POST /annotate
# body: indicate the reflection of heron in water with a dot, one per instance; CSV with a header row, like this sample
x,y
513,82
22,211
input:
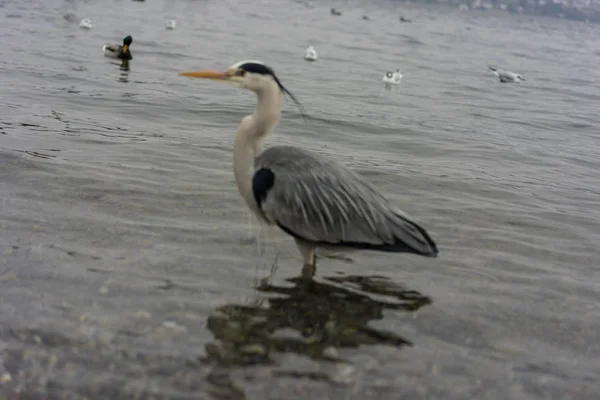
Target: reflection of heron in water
x,y
325,314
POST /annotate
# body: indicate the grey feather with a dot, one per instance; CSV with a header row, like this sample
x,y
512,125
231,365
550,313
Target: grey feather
x,y
322,202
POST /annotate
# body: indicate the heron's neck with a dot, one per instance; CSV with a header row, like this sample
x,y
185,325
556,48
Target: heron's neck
x,y
268,110
253,129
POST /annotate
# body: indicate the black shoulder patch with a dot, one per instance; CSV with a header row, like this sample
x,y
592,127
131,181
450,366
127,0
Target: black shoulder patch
x,y
262,181
257,69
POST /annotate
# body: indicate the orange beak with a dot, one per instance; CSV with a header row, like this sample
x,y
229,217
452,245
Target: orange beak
x,y
207,74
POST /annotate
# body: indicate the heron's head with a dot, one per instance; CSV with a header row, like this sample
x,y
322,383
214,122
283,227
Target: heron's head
x,y
249,74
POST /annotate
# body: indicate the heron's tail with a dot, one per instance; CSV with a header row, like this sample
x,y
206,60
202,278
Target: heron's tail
x,y
411,237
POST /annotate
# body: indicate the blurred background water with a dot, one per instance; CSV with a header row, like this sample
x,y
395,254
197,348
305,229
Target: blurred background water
x,y
128,264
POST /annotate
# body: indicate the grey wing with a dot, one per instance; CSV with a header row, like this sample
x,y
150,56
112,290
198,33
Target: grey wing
x,y
322,202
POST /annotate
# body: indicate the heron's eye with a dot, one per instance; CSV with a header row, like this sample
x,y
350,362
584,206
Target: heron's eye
x,y
240,72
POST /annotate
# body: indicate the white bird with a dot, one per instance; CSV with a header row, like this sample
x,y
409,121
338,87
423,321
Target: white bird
x,y
392,77
506,76
310,54
171,24
319,202
86,23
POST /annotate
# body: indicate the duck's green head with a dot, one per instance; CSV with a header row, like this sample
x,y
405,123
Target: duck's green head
x,y
127,40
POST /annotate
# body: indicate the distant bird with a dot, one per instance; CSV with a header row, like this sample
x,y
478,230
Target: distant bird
x,y
86,23
171,24
319,202
506,76
310,54
118,51
335,12
392,77
69,16
366,18
402,19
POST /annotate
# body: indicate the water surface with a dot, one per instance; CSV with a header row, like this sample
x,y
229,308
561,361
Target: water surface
x,y
128,265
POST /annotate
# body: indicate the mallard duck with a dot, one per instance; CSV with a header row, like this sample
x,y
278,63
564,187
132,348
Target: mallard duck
x,y
118,51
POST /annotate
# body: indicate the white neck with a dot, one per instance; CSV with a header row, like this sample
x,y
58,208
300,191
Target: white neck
x,y
251,131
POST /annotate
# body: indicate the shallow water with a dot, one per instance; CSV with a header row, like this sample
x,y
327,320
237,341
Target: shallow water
x,y
128,265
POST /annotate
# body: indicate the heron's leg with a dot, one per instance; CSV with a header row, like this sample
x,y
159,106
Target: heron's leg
x,y
309,257
308,271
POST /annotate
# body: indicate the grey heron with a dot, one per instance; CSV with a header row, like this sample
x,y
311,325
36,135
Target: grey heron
x,y
506,76
319,202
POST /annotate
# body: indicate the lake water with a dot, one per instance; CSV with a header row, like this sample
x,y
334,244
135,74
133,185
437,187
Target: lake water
x,y
129,265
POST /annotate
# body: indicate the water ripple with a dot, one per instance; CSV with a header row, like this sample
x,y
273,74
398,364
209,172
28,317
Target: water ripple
x,y
127,264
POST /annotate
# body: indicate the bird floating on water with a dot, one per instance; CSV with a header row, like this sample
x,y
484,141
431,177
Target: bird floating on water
x,y
366,18
310,54
118,51
171,24
319,202
392,77
335,12
86,23
506,76
69,16
402,19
